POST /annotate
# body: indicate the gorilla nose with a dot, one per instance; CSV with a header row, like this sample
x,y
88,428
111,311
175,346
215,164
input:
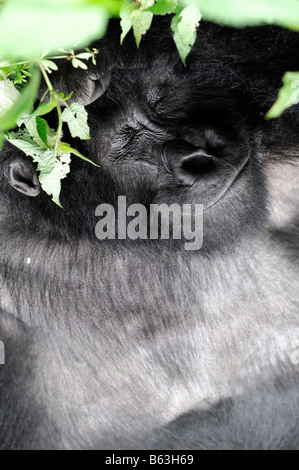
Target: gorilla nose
x,y
198,162
188,162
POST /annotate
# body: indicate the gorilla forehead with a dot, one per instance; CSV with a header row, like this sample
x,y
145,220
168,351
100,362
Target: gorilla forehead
x,y
153,116
169,94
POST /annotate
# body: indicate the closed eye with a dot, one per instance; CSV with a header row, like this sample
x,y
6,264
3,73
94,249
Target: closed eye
x,y
207,139
215,143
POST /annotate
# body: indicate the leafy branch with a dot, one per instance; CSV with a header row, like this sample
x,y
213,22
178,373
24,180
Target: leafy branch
x,y
34,136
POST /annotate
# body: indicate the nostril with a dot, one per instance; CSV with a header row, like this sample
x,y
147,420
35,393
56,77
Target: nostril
x,y
198,163
187,162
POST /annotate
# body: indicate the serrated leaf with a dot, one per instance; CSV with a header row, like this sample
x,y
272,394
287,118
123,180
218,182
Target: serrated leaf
x,y
142,20
44,108
187,27
184,25
288,95
126,17
46,161
133,14
25,143
41,127
31,128
51,136
66,148
52,172
76,118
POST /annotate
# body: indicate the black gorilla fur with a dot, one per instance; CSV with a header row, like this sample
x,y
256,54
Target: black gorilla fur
x,y
119,345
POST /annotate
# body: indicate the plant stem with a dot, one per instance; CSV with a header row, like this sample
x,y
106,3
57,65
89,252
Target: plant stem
x,y
15,64
46,77
51,90
59,129
57,57
44,95
68,106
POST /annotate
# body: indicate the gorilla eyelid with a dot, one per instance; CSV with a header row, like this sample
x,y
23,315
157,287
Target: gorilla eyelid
x,y
153,97
214,141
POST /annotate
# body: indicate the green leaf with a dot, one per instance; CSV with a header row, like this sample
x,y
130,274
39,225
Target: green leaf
x,y
8,96
163,7
183,50
41,127
46,162
78,63
184,26
31,126
52,171
142,20
250,12
23,103
49,65
187,27
25,142
68,96
126,17
76,118
84,55
66,148
133,14
51,137
28,27
45,108
288,95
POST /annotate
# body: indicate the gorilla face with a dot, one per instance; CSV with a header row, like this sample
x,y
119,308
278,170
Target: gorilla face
x,y
163,133
164,139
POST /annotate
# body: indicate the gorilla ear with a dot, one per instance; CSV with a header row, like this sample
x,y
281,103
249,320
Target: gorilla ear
x,y
87,86
23,178
93,89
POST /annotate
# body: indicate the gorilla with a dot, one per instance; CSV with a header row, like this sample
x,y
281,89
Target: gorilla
x,y
140,344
